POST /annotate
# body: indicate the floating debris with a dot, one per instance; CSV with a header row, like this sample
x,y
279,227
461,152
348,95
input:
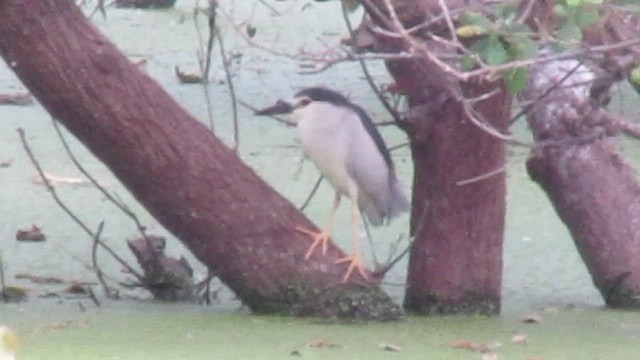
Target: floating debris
x,y
532,319
391,347
54,179
20,99
187,78
30,235
519,338
322,343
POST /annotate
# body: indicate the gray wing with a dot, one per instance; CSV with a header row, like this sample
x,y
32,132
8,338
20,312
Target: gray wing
x,y
369,167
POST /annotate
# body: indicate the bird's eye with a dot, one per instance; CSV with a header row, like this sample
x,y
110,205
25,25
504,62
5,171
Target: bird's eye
x,y
304,102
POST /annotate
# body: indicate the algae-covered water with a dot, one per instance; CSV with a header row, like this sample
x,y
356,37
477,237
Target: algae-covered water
x,y
147,331
543,273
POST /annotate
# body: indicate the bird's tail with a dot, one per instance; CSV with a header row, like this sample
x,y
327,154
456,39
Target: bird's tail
x,y
398,202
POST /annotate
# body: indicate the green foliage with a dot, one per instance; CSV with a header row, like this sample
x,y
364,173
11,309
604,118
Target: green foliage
x,y
491,49
501,38
499,42
517,80
575,15
634,79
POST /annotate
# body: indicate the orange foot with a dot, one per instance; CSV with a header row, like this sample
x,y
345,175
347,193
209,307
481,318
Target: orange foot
x,y
355,262
321,237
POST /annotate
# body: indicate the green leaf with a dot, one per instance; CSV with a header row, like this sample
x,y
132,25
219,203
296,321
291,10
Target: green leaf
x,y
586,18
467,31
574,3
517,80
468,62
570,31
593,2
507,10
520,46
476,19
491,50
634,79
560,10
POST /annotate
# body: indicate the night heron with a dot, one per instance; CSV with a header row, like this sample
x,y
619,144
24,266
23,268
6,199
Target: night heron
x,y
8,343
343,143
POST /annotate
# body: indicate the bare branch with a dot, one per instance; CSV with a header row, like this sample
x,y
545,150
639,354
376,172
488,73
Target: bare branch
x,y
232,93
618,122
96,267
119,204
58,201
481,177
316,186
393,112
205,63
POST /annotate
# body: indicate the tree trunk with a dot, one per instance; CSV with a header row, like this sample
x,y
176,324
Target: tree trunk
x,y
578,164
189,181
456,259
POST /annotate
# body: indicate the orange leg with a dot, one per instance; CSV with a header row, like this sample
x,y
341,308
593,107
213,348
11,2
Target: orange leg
x,y
324,235
355,261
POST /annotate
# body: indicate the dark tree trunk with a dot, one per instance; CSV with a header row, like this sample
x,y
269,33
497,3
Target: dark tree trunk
x,y
597,196
579,166
456,258
195,186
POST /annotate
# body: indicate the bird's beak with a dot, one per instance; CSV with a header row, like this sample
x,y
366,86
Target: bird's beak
x,y
281,107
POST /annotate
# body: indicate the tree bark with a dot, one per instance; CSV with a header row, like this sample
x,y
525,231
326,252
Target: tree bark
x,y
594,191
456,259
189,181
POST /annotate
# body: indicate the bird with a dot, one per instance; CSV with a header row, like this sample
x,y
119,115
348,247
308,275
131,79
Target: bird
x,y
8,343
342,141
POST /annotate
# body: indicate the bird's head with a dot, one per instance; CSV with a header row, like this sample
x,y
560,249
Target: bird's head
x,y
8,343
303,100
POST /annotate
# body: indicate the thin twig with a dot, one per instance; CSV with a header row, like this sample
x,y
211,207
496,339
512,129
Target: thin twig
x,y
211,22
92,296
118,203
525,13
312,193
101,8
73,216
232,93
477,120
3,285
273,11
96,267
379,273
205,63
629,127
447,18
393,112
382,269
548,58
399,146
481,177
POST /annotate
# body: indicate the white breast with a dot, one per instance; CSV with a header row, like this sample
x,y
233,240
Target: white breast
x,y
325,133
337,142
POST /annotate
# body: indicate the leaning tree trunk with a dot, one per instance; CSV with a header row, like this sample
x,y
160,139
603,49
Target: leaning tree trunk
x,y
577,161
456,258
595,192
195,186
